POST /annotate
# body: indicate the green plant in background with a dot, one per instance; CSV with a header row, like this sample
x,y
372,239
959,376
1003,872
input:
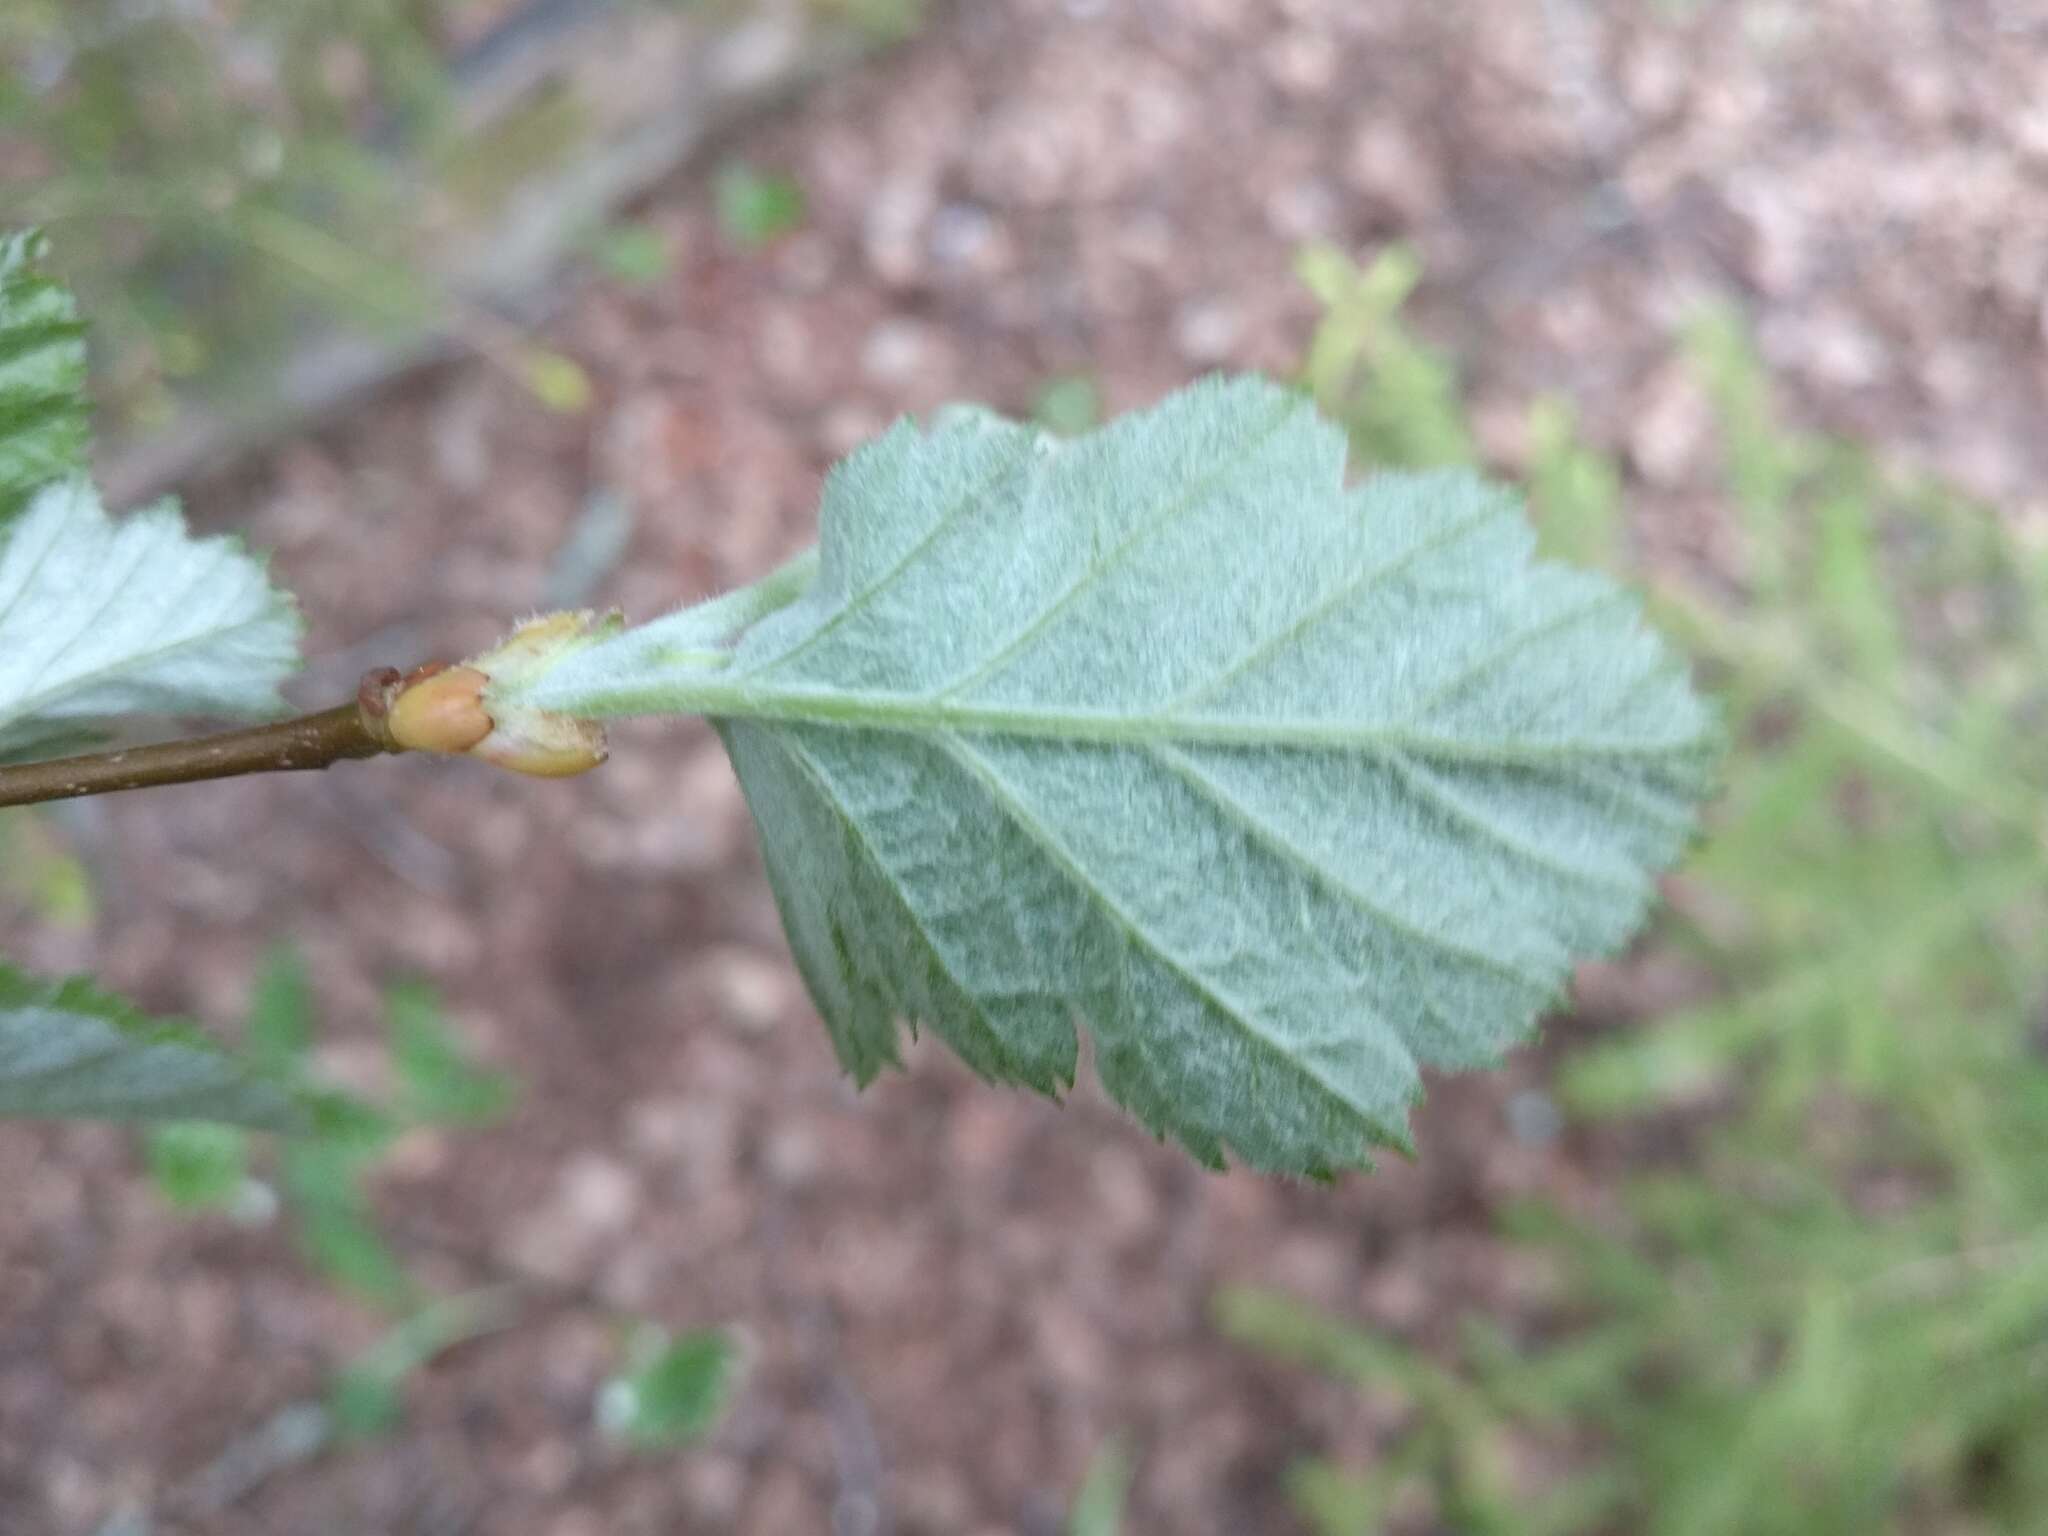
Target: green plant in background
x,y
1068,405
756,208
673,1390
882,20
39,873
668,1392
1833,1316
1105,1490
206,177
318,1182
1396,397
317,1185
366,1398
633,253
1459,1448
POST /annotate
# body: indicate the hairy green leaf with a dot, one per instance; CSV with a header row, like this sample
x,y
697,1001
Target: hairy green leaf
x,y
70,1050
42,377
100,619
1283,790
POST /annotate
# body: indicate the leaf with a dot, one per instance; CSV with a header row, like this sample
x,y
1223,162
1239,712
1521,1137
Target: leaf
x,y
634,253
100,619
42,377
335,1228
1336,1502
1576,490
1068,405
1283,790
280,1029
756,208
367,1397
363,1405
69,1050
1105,1489
438,1083
1397,396
38,870
557,382
196,1164
678,1395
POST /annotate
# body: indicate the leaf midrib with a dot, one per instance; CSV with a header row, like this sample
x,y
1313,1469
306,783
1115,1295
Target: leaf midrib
x,y
920,714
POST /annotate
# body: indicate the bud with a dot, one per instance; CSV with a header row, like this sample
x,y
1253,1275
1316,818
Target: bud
x,y
440,709
448,709
544,745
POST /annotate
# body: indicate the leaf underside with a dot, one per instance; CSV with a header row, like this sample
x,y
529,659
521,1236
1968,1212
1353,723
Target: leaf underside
x,y
102,619
1282,790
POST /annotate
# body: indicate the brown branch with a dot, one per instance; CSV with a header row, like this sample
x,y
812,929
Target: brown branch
x,y
349,731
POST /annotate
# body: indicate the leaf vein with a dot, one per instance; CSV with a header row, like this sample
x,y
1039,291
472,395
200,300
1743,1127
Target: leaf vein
x,y
1097,569
1289,851
1007,798
984,1026
1355,586
853,602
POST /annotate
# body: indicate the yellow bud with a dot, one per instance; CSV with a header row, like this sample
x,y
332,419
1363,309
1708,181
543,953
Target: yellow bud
x,y
535,741
440,710
546,746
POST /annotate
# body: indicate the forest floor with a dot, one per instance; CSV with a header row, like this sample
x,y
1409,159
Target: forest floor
x,y
951,1296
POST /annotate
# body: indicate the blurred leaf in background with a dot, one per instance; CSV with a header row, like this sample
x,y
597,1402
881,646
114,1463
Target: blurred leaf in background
x,y
366,1398
756,208
675,1391
38,871
206,172
320,1182
1397,397
437,1082
557,382
332,1222
279,1033
1105,1489
198,1165
1574,491
633,253
322,1179
1830,1315
1069,405
884,21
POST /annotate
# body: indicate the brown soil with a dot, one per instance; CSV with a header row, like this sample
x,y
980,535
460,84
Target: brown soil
x,y
951,1295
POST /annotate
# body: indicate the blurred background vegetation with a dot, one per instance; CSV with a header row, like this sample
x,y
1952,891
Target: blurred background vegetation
x,y
1818,1301
1821,1303
268,206
214,175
